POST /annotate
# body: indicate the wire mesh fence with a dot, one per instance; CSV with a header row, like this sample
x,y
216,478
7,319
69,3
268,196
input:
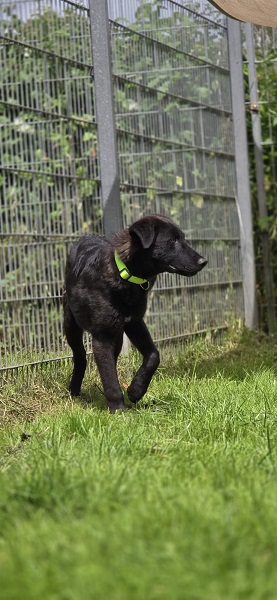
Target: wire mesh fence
x,y
175,148
49,167
174,124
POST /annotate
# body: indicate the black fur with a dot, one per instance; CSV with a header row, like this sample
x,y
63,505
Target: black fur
x,y
98,300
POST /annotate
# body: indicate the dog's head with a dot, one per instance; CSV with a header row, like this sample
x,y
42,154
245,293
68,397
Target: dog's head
x,y
164,247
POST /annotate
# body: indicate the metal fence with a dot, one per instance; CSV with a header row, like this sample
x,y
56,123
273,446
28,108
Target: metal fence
x,y
173,119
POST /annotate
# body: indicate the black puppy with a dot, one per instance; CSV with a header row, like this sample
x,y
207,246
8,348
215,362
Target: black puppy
x,y
106,287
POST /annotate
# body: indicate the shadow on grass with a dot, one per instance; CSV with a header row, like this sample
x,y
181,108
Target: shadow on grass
x,y
91,396
239,354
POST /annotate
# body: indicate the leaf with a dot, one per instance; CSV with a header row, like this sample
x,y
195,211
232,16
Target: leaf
x,y
197,200
88,136
263,223
151,194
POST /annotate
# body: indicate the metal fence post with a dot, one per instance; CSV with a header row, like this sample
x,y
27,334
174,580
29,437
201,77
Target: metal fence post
x,y
260,178
107,144
106,132
242,172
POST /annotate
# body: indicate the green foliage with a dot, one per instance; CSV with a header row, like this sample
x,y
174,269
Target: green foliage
x,y
265,52
48,133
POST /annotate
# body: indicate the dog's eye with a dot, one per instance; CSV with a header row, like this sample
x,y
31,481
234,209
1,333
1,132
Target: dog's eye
x,y
175,240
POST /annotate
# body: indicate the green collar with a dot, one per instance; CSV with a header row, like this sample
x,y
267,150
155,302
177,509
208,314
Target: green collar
x,y
126,275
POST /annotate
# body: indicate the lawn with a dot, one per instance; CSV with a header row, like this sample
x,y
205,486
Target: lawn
x,y
174,500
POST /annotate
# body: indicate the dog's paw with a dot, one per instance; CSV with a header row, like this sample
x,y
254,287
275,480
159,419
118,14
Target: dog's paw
x,y
74,391
134,393
115,406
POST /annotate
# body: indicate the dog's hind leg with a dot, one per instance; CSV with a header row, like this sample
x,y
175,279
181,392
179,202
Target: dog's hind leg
x,y
74,336
106,351
140,337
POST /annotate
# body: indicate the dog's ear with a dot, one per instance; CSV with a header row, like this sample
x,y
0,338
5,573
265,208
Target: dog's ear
x,y
144,230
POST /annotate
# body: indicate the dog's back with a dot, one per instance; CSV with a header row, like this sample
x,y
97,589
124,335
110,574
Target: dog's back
x,y
84,255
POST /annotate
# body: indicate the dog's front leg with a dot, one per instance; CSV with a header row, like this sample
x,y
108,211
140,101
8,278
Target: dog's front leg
x,y
106,353
140,337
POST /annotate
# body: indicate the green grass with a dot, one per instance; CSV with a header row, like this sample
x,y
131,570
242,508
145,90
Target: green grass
x,y
174,500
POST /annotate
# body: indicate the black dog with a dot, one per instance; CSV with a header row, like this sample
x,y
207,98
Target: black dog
x,y
106,289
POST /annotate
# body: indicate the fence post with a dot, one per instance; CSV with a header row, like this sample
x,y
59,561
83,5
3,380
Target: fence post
x,y
242,172
104,108
260,178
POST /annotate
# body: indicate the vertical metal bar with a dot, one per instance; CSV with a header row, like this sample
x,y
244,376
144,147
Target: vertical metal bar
x,y
260,177
102,69
242,172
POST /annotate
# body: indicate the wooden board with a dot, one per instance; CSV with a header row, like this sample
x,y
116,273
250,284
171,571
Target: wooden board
x,y
261,12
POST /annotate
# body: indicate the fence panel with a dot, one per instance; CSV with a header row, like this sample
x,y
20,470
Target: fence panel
x,y
175,145
50,181
176,153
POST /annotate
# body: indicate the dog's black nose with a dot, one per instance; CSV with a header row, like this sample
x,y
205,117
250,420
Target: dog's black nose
x,y
202,262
